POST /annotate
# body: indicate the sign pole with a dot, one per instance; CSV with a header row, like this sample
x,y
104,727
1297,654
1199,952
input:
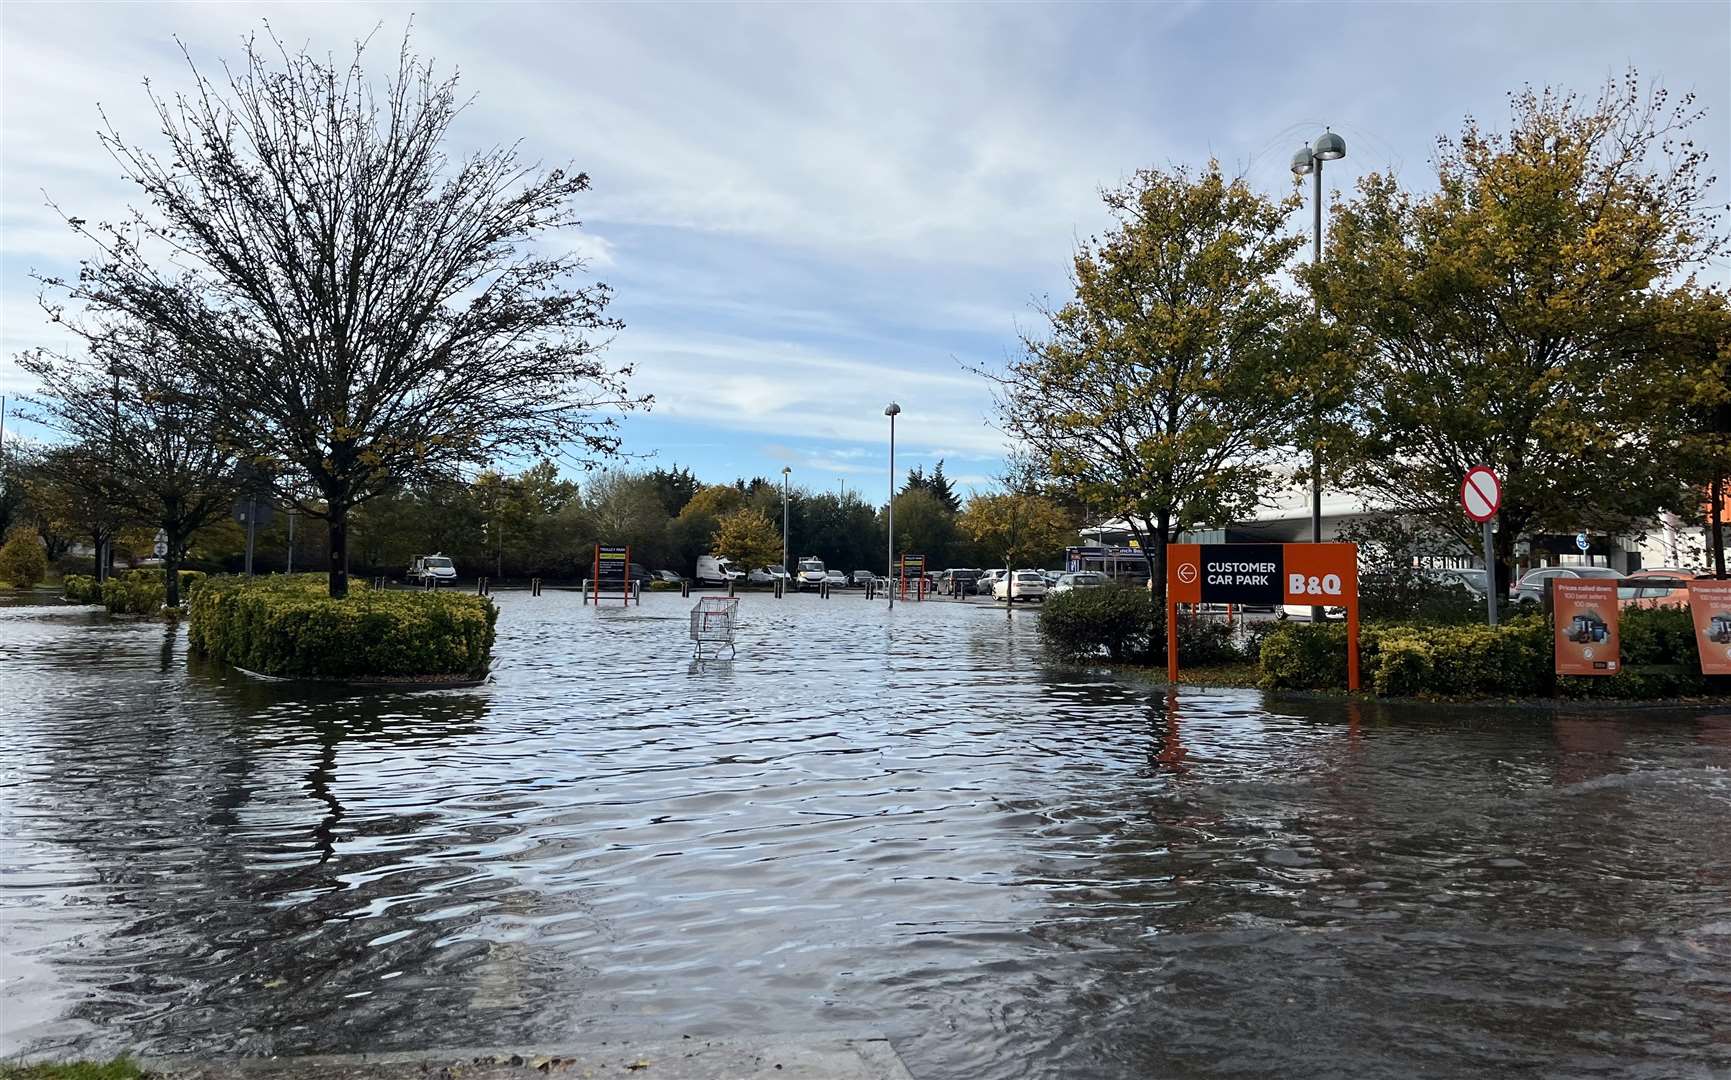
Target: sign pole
x,y
1490,577
1171,639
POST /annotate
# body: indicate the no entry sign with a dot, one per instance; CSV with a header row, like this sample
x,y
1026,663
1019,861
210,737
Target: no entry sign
x,y
1481,493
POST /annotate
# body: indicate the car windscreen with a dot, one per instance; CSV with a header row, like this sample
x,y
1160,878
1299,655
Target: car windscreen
x,y
813,565
439,564
1596,572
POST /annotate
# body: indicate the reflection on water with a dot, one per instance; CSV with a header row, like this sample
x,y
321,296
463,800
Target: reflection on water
x,y
868,821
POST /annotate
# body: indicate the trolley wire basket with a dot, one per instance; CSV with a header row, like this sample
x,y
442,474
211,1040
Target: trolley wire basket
x,y
712,624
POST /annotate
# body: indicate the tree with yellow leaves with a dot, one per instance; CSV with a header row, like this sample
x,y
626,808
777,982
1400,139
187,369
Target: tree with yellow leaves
x,y
1512,317
748,539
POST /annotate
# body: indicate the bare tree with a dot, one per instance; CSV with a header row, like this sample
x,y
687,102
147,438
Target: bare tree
x,y
370,313
129,404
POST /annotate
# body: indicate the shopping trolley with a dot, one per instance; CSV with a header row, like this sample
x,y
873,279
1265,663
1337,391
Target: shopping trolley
x,y
712,623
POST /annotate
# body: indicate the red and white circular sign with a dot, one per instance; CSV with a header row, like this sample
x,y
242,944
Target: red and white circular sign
x,y
1481,493
1187,572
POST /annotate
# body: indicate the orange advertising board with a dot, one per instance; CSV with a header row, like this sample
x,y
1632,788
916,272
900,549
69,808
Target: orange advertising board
x,y
1585,611
1710,603
1264,575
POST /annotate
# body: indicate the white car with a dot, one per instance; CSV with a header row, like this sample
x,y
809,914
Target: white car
x,y
836,579
811,573
988,583
1021,585
1081,579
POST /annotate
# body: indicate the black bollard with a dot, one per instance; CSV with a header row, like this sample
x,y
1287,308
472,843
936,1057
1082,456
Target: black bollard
x,y
684,588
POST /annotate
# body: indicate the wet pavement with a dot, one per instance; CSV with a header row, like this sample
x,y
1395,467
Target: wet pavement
x,y
870,822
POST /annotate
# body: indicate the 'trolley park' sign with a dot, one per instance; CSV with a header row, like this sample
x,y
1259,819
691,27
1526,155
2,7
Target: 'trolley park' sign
x,y
1264,575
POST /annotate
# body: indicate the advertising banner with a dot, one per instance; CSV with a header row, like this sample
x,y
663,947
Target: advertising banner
x,y
1710,603
1585,610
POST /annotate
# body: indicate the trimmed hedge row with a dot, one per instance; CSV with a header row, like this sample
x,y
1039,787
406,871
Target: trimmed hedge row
x,y
81,589
1125,624
1515,659
136,592
288,626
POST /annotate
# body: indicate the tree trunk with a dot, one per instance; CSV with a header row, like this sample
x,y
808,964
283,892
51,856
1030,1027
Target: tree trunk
x,y
1718,538
339,565
171,565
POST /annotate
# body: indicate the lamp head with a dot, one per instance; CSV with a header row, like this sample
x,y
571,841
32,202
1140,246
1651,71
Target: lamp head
x,y
1303,162
893,409
1330,146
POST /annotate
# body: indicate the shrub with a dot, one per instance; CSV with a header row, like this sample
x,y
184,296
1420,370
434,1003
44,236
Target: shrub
x,y
81,589
287,626
1083,623
136,592
189,580
1305,656
23,560
1124,623
1515,659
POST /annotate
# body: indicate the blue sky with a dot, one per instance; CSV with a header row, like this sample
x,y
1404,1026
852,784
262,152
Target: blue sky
x,y
806,212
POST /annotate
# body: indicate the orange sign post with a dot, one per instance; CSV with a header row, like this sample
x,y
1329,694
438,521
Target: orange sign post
x,y
1710,603
1263,575
1585,614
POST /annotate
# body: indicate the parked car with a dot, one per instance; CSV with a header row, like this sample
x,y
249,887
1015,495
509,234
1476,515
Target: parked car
x,y
988,581
1653,592
1473,578
957,582
438,569
760,576
668,576
1532,583
716,570
836,579
810,573
1021,585
1667,573
859,579
639,572
1081,579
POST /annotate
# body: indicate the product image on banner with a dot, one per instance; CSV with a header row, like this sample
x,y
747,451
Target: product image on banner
x,y
1586,620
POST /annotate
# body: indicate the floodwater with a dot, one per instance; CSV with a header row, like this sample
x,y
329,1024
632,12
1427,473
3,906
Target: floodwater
x,y
869,822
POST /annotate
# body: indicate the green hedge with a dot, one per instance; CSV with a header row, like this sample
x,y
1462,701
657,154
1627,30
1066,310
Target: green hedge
x,y
136,592
287,626
1124,623
81,589
1515,659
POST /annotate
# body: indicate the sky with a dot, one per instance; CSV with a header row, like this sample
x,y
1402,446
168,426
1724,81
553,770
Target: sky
x,y
807,212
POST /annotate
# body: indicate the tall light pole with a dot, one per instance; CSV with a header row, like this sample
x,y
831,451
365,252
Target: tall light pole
x,y
842,480
785,472
1309,159
892,411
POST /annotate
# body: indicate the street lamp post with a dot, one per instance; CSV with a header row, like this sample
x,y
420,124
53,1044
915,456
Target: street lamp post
x,y
892,411
1308,160
785,472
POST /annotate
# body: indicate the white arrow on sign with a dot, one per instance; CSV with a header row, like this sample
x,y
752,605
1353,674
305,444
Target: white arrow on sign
x,y
1481,493
161,549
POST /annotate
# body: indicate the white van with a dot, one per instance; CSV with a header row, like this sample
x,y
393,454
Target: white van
x,y
811,574
716,570
432,567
